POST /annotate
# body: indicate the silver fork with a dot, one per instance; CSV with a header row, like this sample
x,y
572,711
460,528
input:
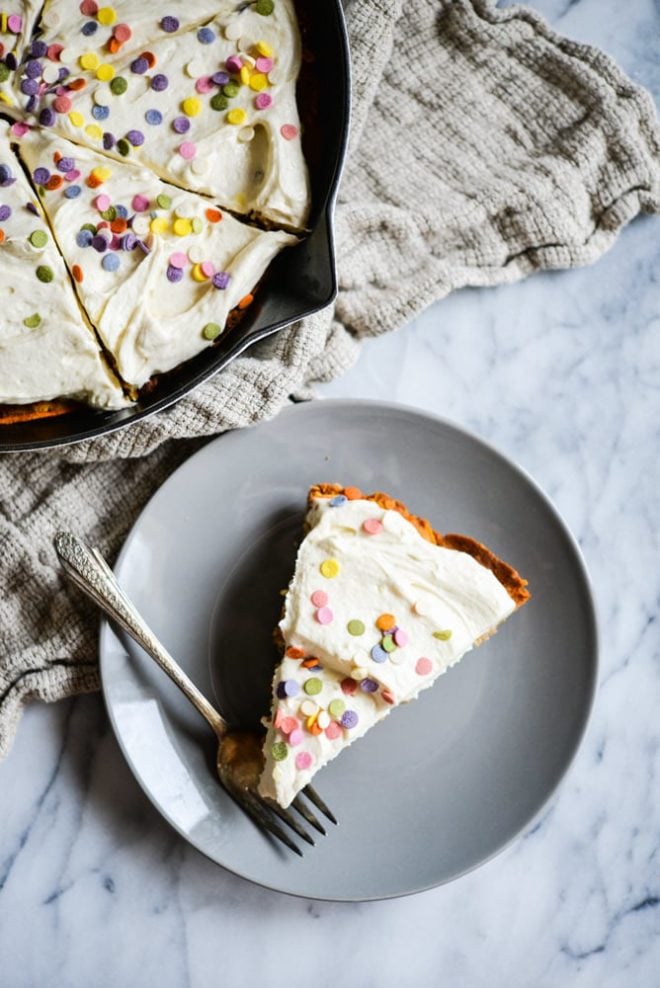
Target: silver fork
x,y
239,761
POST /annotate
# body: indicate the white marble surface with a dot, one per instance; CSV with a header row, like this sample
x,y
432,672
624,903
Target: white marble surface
x,y
562,373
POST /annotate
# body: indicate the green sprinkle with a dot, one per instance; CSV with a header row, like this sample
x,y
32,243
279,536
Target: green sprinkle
x,y
123,147
231,89
163,201
109,214
312,686
118,85
355,628
219,101
44,273
211,330
4,72
388,644
265,7
336,708
32,321
89,226
197,225
279,751
38,238
442,636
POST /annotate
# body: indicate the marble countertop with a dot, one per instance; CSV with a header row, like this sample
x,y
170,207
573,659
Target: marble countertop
x,y
562,373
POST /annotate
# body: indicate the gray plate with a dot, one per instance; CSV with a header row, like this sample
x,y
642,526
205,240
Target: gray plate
x,y
441,785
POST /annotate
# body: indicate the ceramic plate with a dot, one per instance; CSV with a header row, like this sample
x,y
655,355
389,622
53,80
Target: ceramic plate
x,y
441,785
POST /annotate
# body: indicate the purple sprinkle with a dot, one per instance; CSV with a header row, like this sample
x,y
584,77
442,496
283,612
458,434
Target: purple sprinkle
x,y
63,73
99,243
169,24
115,243
287,687
121,211
109,141
368,685
144,247
135,137
30,206
47,117
5,213
33,69
349,718
205,36
72,191
6,177
38,49
220,78
66,165
221,279
31,104
100,112
84,238
110,262
10,61
159,82
30,87
128,241
181,125
379,654
139,65
40,176
174,275
89,28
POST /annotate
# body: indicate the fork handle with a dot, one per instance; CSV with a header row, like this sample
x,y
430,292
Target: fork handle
x,y
89,571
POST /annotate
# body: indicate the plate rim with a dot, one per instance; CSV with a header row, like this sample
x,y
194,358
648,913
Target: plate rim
x,y
591,622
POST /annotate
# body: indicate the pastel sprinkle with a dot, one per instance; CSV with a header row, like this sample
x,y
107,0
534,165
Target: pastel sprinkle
x,y
323,719
118,85
219,102
207,269
279,751
5,213
221,279
258,82
32,321
139,65
287,687
135,137
324,615
442,636
388,643
263,101
296,737
211,330
191,106
105,72
329,568
368,685
348,686
159,82
288,724
336,708
378,654
355,627
38,238
106,16
303,760
100,112
44,273
264,7
187,150
319,598
423,666
264,48
288,131
349,719
178,260
264,64
237,116
205,36
234,63
140,203
385,622
400,637
163,200
312,686
337,501
110,262
102,202
333,731
173,274
372,526
84,238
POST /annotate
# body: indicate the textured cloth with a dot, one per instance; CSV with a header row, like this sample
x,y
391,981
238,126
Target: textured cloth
x,y
531,152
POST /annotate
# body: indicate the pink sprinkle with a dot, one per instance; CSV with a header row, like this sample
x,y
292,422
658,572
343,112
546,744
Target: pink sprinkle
x,y
72,175
61,104
19,129
207,269
115,243
333,730
289,724
288,131
423,667
400,637
204,84
102,203
296,737
279,716
319,598
187,149
102,225
372,526
324,615
234,63
54,52
264,65
178,260
263,101
303,760
88,8
140,204
15,23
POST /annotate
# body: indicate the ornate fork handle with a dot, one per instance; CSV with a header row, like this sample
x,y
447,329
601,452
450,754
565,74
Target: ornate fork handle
x,y
90,572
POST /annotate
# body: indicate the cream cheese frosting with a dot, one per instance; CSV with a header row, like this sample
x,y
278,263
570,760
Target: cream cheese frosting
x,y
211,109
47,350
17,21
157,269
374,614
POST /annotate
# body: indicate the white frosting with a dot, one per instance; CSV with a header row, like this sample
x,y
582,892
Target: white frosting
x,y
15,42
430,590
60,356
250,168
149,324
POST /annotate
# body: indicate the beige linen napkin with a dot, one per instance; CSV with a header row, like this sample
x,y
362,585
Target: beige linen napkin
x,y
531,152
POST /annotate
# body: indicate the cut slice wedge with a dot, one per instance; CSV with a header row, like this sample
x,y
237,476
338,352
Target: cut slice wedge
x,y
157,269
379,606
47,349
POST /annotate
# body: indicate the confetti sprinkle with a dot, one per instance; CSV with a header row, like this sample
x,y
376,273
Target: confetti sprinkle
x,y
38,238
372,526
32,321
349,719
319,598
169,24
423,666
355,628
329,568
442,636
304,761
44,273
211,331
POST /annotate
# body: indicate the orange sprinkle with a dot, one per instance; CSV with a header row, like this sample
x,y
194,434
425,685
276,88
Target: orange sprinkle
x,y
149,57
245,301
295,653
387,696
119,225
54,182
92,182
56,156
2,235
352,493
385,622
113,45
76,84
315,729
213,215
77,273
309,663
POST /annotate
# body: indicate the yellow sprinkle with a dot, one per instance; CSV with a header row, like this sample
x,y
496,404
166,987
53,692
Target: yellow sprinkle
x,y
106,15
244,74
310,721
159,225
6,99
191,106
88,61
94,131
105,72
76,118
258,81
236,116
329,568
197,273
182,227
3,22
264,48
101,173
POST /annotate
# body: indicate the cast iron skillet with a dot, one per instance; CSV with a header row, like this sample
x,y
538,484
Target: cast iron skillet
x,y
300,281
